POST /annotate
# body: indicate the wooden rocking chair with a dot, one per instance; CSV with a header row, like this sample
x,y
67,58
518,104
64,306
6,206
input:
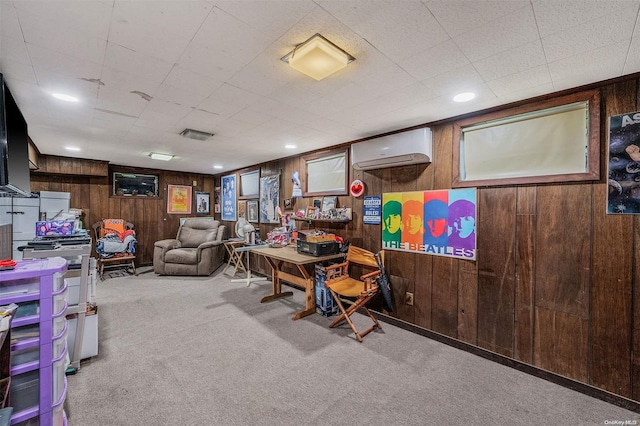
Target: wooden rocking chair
x,y
362,289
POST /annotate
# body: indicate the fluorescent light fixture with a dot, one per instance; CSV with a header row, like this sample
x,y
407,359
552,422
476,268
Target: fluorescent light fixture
x,y
317,57
464,97
217,166
290,146
163,157
64,97
71,148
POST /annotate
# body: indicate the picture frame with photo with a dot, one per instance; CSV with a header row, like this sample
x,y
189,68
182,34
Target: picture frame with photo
x,y
253,212
242,208
203,203
329,203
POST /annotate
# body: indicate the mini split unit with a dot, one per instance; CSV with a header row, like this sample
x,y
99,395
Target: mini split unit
x,y
398,149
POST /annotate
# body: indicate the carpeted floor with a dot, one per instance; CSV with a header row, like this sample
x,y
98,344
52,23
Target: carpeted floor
x,y
205,351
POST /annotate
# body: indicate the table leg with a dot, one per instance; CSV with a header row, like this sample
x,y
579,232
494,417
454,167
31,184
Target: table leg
x,y
276,284
310,302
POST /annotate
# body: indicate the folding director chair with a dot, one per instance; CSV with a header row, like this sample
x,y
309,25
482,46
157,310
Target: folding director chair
x,y
342,286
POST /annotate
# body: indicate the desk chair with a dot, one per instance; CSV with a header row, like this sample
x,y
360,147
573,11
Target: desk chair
x,y
342,286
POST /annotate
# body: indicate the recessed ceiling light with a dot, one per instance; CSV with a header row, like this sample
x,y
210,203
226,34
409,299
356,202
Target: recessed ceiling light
x,y
71,148
64,97
464,97
217,166
163,157
290,146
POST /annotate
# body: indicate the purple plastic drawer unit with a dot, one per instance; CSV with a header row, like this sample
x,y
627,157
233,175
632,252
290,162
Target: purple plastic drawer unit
x,y
38,383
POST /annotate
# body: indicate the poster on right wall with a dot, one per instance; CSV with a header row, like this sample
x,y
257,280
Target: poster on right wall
x,y
624,164
440,223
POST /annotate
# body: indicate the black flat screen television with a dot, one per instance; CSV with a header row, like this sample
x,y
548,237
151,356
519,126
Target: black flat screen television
x,y
14,146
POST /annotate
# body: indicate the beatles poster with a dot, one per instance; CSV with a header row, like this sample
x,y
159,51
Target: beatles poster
x,y
624,164
229,197
441,223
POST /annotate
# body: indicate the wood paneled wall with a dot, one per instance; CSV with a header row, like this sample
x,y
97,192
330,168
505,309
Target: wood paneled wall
x,y
554,284
93,194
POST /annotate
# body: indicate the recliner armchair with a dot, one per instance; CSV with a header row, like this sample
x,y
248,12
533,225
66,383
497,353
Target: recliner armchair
x,y
196,250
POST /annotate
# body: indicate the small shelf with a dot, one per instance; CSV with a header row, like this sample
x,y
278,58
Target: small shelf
x,y
308,220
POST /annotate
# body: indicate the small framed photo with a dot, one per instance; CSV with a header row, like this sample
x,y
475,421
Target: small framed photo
x,y
329,203
317,202
312,212
252,211
242,208
203,203
288,203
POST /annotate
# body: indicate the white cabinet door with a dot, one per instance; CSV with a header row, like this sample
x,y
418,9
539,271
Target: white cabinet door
x,y
5,211
26,212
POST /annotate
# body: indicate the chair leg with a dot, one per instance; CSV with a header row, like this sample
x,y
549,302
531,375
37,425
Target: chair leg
x,y
346,315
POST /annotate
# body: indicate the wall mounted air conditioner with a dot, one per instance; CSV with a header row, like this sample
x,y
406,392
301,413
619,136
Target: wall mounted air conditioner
x,y
399,149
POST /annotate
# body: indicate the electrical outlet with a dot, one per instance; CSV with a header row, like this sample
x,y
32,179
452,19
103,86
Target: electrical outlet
x,y
408,298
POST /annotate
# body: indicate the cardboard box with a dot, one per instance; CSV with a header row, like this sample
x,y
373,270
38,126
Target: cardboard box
x,y
315,236
89,339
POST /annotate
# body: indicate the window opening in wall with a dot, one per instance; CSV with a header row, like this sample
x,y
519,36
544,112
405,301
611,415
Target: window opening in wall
x,y
135,184
326,173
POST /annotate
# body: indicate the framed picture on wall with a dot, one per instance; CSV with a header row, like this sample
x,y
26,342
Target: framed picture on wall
x,y
203,203
242,208
179,199
252,211
229,197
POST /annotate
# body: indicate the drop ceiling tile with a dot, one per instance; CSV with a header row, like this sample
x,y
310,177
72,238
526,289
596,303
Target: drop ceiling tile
x,y
604,62
200,120
252,117
272,18
91,18
615,27
48,34
469,15
204,60
178,96
449,84
9,23
17,71
632,63
527,93
434,60
398,32
521,58
229,37
526,79
52,82
136,63
14,49
120,102
387,80
159,111
490,39
555,16
128,83
192,82
45,59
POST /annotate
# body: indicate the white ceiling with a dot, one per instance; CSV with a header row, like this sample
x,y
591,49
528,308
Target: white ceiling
x,y
145,70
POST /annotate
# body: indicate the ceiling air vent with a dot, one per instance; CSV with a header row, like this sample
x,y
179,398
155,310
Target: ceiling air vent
x,y
196,134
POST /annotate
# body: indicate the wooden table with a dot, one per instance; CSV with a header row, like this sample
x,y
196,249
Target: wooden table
x,y
276,258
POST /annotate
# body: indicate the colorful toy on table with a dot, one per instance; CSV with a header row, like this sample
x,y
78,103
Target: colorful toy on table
x,y
54,228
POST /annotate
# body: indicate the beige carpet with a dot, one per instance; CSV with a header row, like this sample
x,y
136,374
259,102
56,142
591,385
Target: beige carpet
x,y
205,351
